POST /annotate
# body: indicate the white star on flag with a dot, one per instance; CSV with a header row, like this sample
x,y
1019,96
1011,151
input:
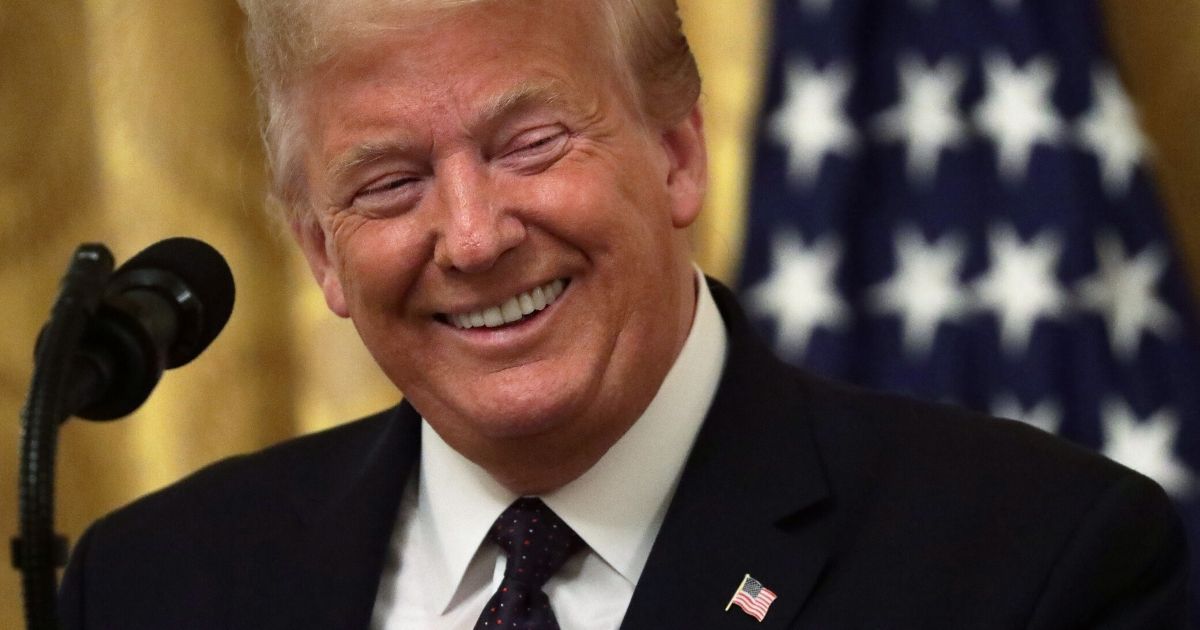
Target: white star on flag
x,y
812,121
1017,112
1110,130
1021,285
1146,445
1045,415
927,116
800,293
925,289
1123,292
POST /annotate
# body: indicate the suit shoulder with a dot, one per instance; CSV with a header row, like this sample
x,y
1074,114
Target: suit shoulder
x,y
943,445
223,540
259,480
989,500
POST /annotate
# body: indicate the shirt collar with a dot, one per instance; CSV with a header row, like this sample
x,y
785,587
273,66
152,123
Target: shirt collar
x,y
618,505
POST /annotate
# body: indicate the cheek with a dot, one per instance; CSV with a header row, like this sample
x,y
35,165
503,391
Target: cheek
x,y
378,262
599,207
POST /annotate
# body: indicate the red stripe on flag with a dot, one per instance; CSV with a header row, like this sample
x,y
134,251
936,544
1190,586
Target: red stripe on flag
x,y
755,606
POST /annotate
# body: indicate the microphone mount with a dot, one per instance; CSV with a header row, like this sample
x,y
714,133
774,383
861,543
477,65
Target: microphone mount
x,y
39,551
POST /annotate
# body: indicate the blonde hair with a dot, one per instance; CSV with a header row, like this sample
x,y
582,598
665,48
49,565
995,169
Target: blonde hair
x,y
286,38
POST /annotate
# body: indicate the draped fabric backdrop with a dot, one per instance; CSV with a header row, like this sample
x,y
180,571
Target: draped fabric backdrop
x,y
125,121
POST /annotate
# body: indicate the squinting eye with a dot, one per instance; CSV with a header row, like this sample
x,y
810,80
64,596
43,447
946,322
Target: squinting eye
x,y
388,185
537,149
388,193
541,142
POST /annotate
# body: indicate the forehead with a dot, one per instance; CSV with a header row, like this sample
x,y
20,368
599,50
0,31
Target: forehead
x,y
427,43
493,54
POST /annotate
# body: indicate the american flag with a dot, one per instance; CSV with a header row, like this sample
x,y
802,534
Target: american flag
x,y
952,200
752,597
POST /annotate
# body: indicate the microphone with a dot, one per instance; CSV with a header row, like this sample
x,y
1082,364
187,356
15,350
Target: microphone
x,y
160,310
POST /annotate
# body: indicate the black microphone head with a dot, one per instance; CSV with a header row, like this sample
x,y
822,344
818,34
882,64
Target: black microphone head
x,y
205,289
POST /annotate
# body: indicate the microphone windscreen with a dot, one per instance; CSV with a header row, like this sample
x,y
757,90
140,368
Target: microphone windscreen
x,y
205,273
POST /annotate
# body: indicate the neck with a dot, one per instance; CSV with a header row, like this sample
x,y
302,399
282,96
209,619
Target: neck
x,y
543,468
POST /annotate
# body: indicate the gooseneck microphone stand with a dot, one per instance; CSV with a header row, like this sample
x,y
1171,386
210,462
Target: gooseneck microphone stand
x,y
38,552
109,338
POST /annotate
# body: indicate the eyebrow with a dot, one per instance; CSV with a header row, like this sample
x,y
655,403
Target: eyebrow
x,y
365,154
493,111
548,92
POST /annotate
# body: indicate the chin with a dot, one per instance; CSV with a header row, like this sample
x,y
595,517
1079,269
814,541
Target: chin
x,y
531,399
503,417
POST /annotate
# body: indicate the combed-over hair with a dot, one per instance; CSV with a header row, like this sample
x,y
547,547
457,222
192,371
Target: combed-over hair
x,y
286,38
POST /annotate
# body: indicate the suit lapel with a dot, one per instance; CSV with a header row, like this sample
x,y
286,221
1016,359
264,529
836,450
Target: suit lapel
x,y
752,499
347,516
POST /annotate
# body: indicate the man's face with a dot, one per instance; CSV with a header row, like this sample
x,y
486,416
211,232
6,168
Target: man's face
x,y
473,163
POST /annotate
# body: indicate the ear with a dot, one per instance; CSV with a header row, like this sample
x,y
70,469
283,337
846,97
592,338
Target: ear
x,y
311,237
687,179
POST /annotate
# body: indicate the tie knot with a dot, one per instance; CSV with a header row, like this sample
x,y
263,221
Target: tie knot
x,y
536,540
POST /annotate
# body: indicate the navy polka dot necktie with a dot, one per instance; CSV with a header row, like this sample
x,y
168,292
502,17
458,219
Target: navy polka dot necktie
x,y
537,543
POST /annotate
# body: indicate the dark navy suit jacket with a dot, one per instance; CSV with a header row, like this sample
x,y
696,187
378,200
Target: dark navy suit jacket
x,y
859,510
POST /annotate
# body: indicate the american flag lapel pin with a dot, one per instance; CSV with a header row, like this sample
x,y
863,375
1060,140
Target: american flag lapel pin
x,y
752,597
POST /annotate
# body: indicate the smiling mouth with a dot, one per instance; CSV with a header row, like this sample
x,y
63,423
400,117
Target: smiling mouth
x,y
513,310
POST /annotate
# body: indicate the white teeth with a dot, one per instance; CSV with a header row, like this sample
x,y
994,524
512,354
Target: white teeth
x,y
512,310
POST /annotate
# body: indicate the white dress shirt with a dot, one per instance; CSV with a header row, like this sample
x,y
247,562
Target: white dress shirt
x,y
441,572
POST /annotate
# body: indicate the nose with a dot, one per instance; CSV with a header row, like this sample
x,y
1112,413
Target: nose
x,y
477,226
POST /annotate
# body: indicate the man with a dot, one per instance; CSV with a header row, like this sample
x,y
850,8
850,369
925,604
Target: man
x,y
496,193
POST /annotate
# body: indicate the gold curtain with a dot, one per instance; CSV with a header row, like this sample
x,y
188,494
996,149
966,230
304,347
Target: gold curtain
x,y
127,121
